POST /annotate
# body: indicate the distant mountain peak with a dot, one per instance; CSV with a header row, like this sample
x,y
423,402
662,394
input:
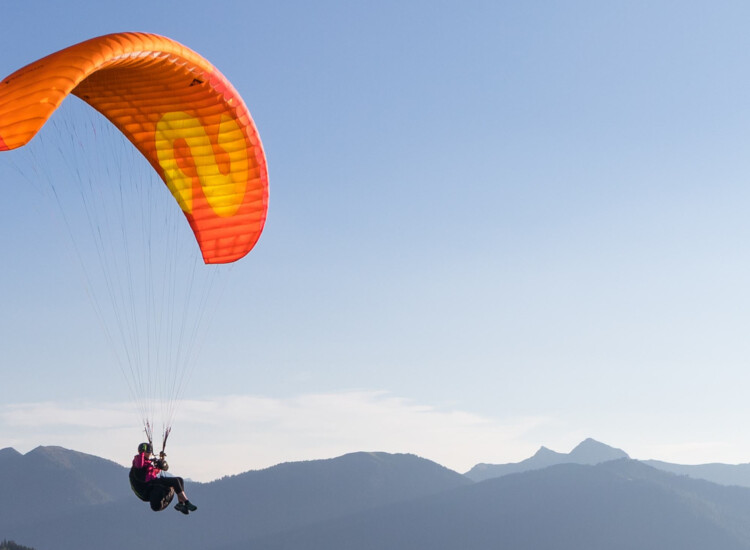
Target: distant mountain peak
x,y
52,454
590,442
544,457
544,451
9,452
591,451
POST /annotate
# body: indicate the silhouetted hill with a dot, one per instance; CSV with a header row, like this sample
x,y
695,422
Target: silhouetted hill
x,y
620,505
50,481
723,474
375,500
586,452
319,489
247,505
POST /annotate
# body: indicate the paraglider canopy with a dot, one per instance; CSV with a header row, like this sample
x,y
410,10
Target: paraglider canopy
x,y
177,109
196,133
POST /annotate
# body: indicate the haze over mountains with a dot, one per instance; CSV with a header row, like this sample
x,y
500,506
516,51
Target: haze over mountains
x,y
593,497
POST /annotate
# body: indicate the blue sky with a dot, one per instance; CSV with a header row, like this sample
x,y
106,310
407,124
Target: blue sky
x,y
492,226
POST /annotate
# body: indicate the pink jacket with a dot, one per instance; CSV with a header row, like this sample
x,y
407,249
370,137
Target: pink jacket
x,y
141,461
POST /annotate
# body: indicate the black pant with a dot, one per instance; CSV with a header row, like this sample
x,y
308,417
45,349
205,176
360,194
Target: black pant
x,y
175,483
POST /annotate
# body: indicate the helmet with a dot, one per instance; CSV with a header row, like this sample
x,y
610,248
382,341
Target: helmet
x,y
145,448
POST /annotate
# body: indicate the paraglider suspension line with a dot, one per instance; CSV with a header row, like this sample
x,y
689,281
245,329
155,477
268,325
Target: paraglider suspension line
x,y
149,433
167,431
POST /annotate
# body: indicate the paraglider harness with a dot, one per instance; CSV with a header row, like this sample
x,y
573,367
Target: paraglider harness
x,y
158,496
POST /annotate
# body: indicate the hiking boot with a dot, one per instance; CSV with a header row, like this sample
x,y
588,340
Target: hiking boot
x,y
180,507
190,506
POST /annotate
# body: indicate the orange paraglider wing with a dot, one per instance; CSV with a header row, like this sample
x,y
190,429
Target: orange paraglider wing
x,y
177,109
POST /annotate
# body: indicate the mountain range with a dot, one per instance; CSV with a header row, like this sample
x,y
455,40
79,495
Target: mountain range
x,y
587,452
593,497
593,452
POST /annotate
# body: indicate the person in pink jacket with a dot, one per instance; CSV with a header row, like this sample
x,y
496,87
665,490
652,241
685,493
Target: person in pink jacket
x,y
149,485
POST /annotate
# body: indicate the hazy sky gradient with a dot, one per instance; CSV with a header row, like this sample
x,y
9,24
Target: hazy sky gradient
x,y
528,221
